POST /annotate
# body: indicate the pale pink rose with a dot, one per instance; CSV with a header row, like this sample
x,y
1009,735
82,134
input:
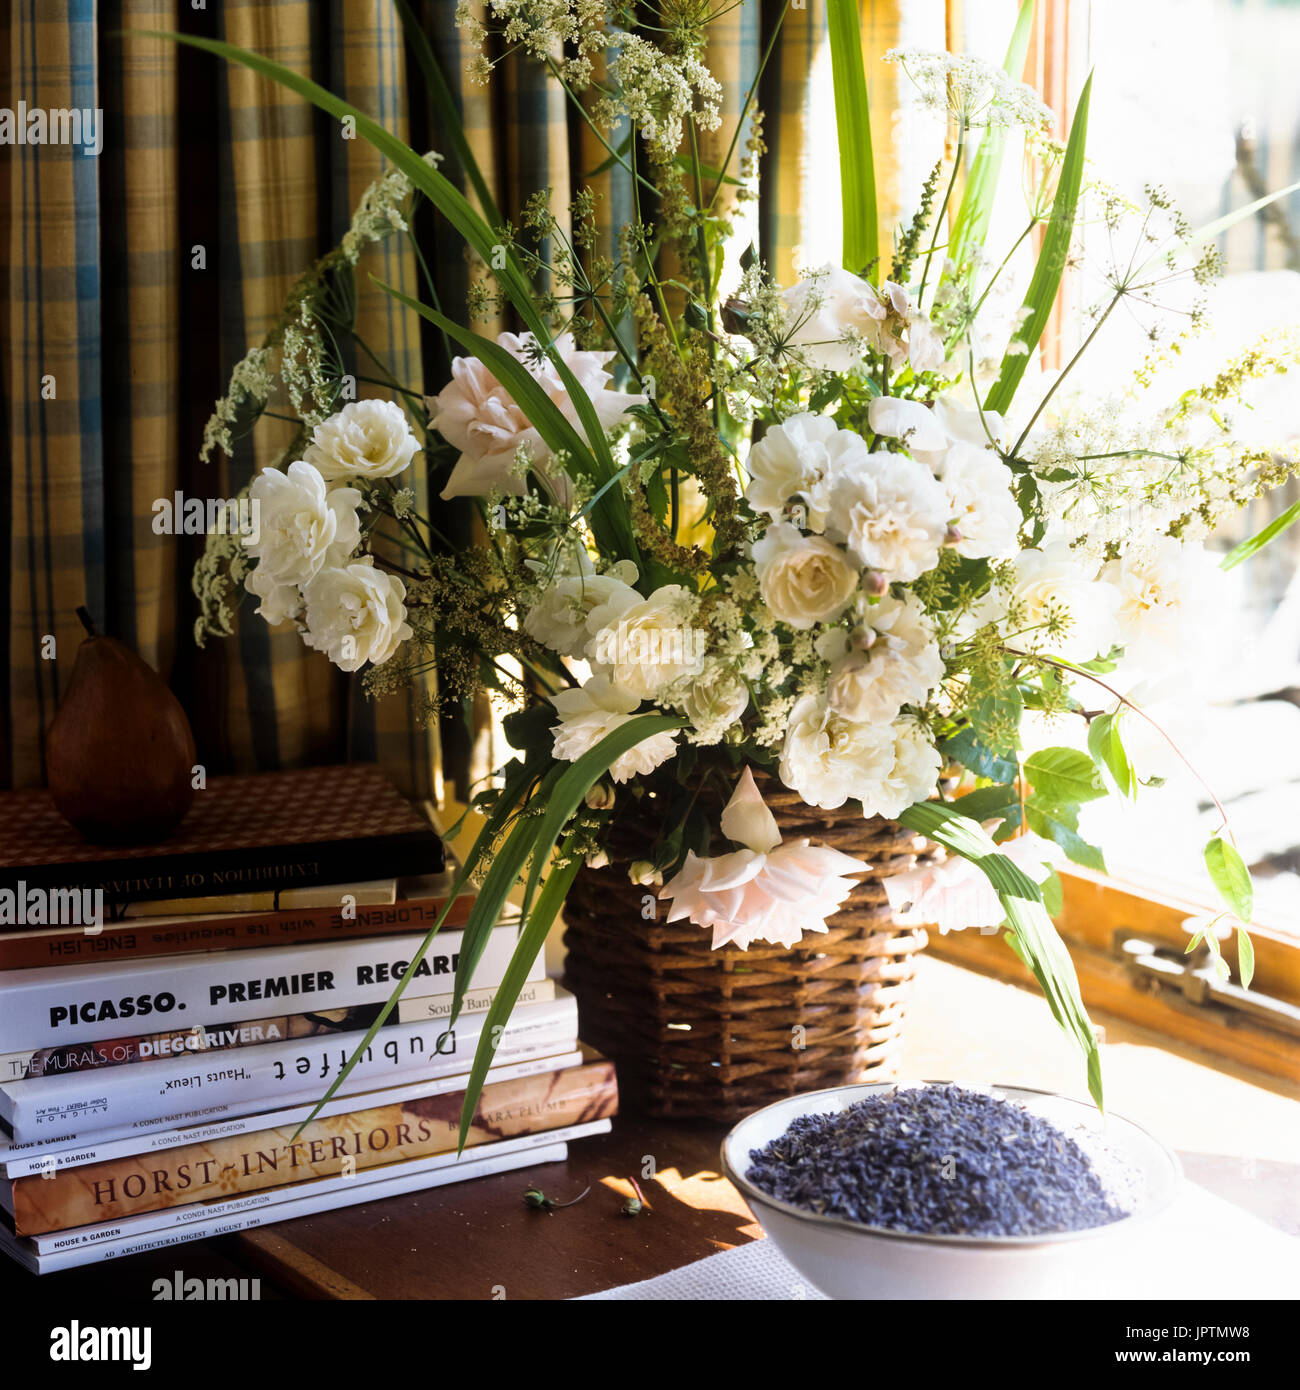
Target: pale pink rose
x,y
475,413
956,894
765,891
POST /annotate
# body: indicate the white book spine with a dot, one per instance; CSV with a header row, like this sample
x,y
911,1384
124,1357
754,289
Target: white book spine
x,y
477,1001
41,1158
177,1091
308,1205
175,1217
49,1006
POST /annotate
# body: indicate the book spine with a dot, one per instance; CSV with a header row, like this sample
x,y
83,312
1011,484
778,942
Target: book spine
x,y
177,1091
341,1146
132,1226
89,1003
203,873
45,1157
117,1052
228,931
307,1205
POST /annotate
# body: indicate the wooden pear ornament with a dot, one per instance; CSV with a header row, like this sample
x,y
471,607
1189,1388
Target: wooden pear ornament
x,y
120,753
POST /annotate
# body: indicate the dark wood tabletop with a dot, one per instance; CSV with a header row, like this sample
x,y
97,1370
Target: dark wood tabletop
x,y
472,1240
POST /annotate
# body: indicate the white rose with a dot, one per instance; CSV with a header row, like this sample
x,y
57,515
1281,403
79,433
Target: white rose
x,y
476,414
366,439
558,618
829,760
795,461
983,507
279,602
591,711
647,644
900,667
1167,600
302,525
355,614
892,513
803,579
1054,605
715,700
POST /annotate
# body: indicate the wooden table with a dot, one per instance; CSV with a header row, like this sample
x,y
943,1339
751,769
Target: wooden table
x,y
1237,1134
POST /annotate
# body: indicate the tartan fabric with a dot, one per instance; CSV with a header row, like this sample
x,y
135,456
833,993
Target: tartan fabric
x,y
100,290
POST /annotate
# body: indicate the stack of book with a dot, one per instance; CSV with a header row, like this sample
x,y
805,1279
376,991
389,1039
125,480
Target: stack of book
x,y
161,1056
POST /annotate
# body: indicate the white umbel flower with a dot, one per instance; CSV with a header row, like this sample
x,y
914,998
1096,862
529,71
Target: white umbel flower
x,y
366,439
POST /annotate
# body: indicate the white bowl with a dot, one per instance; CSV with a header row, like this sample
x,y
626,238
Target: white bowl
x,y
846,1259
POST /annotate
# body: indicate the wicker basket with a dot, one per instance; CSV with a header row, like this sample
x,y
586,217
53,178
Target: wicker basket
x,y
699,1032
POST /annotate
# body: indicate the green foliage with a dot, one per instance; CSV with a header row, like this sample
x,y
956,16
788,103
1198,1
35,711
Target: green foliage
x,y
1231,878
853,120
1107,751
1052,259
1035,938
1063,776
1257,542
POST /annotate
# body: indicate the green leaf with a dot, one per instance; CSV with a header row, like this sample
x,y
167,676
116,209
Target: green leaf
x,y
1257,542
1107,750
610,520
444,104
1231,878
559,796
1053,893
1051,259
966,748
853,125
1060,825
1036,938
988,802
1063,776
971,224
1245,957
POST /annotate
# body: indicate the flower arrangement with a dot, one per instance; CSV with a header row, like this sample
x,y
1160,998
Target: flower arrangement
x,y
843,531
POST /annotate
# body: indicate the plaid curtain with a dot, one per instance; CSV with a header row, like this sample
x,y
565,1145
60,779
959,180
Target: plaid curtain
x,y
130,284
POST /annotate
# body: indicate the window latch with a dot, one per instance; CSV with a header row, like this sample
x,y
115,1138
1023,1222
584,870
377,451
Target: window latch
x,y
1192,982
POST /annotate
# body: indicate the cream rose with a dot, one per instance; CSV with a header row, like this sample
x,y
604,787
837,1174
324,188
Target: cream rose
x,y
355,614
593,710
303,526
795,462
366,439
892,514
715,700
647,644
558,618
895,661
984,510
803,579
278,602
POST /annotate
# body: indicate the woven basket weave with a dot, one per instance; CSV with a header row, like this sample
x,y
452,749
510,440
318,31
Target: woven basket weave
x,y
698,1032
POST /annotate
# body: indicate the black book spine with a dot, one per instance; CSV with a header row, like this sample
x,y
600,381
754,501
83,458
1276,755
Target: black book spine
x,y
262,868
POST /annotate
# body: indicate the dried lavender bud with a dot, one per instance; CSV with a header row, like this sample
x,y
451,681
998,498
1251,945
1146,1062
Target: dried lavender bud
x,y
936,1160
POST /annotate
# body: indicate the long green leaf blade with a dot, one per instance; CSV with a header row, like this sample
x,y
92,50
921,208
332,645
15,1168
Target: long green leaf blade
x,y
1257,542
444,104
972,221
1051,259
853,123
562,800
1036,936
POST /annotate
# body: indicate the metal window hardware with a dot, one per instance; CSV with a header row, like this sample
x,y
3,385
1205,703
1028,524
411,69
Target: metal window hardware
x,y
1191,983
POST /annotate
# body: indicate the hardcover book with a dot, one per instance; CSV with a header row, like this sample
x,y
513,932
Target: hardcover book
x,y
53,1005
184,1090
188,1042
306,1204
261,831
136,937
349,1143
